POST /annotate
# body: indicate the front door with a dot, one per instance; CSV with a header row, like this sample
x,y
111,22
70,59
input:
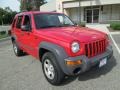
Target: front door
x,y
92,15
28,37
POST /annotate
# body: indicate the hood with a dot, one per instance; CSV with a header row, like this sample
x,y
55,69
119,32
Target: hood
x,y
81,34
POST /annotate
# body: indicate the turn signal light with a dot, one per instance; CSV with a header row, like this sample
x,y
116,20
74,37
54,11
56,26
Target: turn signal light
x,y
78,62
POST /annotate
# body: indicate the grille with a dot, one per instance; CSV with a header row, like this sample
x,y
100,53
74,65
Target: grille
x,y
95,48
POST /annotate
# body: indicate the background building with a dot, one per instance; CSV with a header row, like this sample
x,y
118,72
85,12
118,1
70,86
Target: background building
x,y
89,11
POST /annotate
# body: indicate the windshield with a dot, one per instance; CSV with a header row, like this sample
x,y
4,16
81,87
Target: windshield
x,y
52,20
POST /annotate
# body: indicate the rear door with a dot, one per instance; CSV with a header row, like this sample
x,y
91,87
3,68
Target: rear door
x,y
13,27
17,29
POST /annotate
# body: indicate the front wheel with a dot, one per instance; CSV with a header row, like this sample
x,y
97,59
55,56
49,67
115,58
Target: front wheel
x,y
51,69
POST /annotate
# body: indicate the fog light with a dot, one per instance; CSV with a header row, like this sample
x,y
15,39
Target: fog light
x,y
78,62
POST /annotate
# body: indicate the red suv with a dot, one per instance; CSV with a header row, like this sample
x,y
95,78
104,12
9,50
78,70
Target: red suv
x,y
62,47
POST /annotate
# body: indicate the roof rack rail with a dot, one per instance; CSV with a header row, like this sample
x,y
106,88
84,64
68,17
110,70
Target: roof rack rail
x,y
24,11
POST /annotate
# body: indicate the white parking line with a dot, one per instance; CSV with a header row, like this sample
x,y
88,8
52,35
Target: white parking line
x,y
103,28
3,51
114,33
115,43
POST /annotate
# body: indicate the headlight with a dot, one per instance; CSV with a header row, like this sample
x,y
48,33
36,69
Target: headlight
x,y
75,47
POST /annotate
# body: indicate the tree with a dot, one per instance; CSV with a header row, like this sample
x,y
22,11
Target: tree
x,y
2,13
28,6
6,15
8,9
31,4
38,3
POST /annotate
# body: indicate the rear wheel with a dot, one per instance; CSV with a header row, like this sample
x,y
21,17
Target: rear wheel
x,y
51,69
17,50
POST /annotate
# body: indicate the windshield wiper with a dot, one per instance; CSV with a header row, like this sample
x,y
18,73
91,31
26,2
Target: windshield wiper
x,y
67,25
49,26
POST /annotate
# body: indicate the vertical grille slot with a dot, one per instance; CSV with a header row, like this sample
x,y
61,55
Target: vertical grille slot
x,y
102,45
95,48
90,46
86,49
99,47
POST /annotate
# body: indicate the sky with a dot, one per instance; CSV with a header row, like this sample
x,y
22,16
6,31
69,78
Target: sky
x,y
13,4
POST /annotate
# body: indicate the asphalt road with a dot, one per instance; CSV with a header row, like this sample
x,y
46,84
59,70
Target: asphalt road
x,y
25,73
117,39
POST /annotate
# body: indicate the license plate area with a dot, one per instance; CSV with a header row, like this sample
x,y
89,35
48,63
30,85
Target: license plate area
x,y
103,62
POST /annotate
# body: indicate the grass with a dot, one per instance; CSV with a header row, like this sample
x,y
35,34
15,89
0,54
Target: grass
x,y
115,25
3,34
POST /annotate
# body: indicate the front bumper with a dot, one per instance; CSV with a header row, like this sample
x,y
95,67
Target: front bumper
x,y
87,63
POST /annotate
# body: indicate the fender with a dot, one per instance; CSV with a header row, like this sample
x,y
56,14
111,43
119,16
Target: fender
x,y
59,53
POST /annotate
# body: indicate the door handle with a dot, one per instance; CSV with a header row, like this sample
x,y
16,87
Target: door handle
x,y
28,33
22,34
25,33
36,37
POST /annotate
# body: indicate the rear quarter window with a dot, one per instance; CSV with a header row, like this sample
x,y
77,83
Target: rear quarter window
x,y
13,24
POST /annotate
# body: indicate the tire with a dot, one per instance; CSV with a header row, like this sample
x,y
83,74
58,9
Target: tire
x,y
51,69
17,50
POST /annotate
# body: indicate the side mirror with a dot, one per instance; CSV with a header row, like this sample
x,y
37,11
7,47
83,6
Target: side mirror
x,y
75,24
25,28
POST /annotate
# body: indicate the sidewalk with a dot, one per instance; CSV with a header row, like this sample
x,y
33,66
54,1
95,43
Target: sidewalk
x,y
100,27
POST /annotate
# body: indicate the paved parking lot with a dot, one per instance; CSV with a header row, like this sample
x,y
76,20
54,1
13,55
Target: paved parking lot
x,y
25,73
117,39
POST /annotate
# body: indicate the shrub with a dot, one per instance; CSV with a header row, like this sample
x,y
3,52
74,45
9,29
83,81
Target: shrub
x,y
115,25
2,32
81,24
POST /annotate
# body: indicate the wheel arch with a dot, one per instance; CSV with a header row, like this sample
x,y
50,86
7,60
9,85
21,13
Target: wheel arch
x,y
57,50
42,51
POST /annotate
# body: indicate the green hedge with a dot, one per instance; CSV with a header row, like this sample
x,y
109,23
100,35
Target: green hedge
x,y
4,36
2,32
81,24
115,25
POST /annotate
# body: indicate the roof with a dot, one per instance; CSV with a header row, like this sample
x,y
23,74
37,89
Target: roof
x,y
36,12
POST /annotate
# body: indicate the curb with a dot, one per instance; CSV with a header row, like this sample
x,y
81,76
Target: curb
x,y
5,39
114,33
